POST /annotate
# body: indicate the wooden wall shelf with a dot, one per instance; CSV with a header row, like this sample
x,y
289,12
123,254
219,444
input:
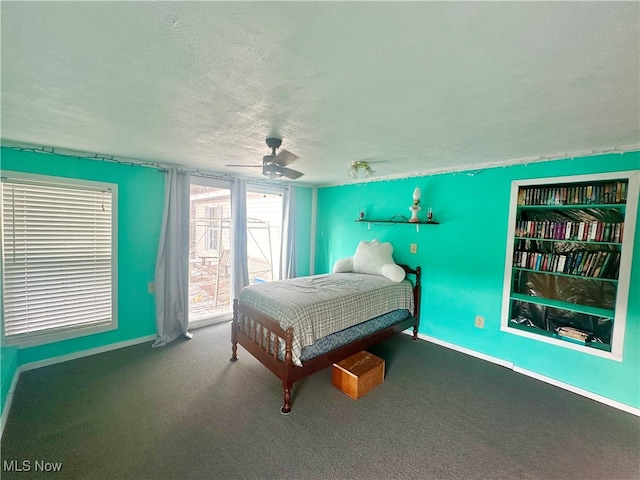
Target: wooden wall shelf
x,y
417,224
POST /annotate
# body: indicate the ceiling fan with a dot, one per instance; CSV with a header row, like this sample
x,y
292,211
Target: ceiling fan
x,y
275,166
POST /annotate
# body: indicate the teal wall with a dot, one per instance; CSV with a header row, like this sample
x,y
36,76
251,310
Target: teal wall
x,y
463,261
304,199
140,205
140,208
9,366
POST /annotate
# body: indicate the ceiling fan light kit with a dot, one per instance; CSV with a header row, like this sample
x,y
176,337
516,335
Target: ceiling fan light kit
x,y
357,166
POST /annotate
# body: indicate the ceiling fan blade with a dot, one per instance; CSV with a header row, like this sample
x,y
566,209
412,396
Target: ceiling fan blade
x,y
241,165
284,158
289,173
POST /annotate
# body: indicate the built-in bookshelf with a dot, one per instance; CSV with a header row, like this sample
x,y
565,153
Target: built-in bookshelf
x,y
569,251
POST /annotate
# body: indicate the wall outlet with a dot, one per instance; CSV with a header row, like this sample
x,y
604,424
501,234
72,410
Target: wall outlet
x,y
151,287
479,321
413,248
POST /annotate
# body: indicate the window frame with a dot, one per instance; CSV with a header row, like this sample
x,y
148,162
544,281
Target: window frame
x,y
64,332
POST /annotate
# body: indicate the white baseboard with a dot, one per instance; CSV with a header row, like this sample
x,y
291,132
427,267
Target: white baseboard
x,y
467,351
580,391
85,353
8,401
63,358
565,386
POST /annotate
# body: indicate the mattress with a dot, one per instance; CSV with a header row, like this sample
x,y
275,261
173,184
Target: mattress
x,y
351,334
320,305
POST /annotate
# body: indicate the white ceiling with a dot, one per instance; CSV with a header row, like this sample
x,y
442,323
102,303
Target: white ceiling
x,y
414,87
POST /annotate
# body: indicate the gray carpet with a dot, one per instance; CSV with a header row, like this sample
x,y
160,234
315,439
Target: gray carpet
x,y
184,411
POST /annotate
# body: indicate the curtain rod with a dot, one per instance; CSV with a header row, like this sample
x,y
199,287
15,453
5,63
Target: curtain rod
x,y
87,156
163,168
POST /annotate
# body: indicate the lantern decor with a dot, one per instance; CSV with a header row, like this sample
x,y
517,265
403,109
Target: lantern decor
x,y
415,208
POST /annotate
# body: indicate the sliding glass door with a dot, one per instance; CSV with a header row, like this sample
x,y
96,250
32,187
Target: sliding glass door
x,y
264,233
210,245
209,251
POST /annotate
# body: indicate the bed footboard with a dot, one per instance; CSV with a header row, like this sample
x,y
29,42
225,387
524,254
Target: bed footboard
x,y
263,337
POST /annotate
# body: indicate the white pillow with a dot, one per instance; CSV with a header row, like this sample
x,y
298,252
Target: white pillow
x,y
343,265
393,272
375,258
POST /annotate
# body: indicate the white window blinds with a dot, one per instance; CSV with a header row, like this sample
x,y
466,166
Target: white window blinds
x,y
58,258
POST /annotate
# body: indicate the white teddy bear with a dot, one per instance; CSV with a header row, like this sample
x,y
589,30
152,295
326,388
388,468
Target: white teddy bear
x,y
374,258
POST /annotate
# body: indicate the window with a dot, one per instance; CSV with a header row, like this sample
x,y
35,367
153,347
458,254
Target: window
x,y
58,257
212,233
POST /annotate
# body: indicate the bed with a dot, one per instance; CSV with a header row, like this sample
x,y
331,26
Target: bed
x,y
299,326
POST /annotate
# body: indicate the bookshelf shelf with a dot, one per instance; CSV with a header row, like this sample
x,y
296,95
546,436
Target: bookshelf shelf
x,y
548,302
569,250
589,242
561,274
585,206
555,337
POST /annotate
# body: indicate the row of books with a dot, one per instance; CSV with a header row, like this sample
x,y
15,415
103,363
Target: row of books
x,y
600,193
579,231
573,334
596,264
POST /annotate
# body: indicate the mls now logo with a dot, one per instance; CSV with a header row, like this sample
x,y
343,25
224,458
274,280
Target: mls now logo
x,y
28,465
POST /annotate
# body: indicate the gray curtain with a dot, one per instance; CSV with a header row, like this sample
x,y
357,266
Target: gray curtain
x,y
288,245
239,267
172,264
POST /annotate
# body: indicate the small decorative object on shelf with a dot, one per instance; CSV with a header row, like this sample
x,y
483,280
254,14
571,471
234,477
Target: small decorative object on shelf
x,y
567,274
415,208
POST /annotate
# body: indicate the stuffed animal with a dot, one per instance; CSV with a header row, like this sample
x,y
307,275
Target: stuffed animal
x,y
374,258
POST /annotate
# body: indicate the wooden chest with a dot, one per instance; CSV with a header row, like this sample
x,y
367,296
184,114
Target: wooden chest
x,y
358,374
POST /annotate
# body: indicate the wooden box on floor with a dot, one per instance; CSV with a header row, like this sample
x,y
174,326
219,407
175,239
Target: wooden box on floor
x,y
358,374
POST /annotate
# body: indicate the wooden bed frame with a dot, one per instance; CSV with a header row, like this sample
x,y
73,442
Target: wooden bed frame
x,y
261,336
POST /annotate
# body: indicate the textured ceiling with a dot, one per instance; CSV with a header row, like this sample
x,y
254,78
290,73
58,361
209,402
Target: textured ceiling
x,y
413,87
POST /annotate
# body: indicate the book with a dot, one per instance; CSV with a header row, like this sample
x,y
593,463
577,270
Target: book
x,y
576,263
613,267
604,266
599,232
602,255
562,259
583,263
594,263
617,235
538,261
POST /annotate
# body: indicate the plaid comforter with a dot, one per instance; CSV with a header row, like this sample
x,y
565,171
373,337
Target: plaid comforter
x,y
319,305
